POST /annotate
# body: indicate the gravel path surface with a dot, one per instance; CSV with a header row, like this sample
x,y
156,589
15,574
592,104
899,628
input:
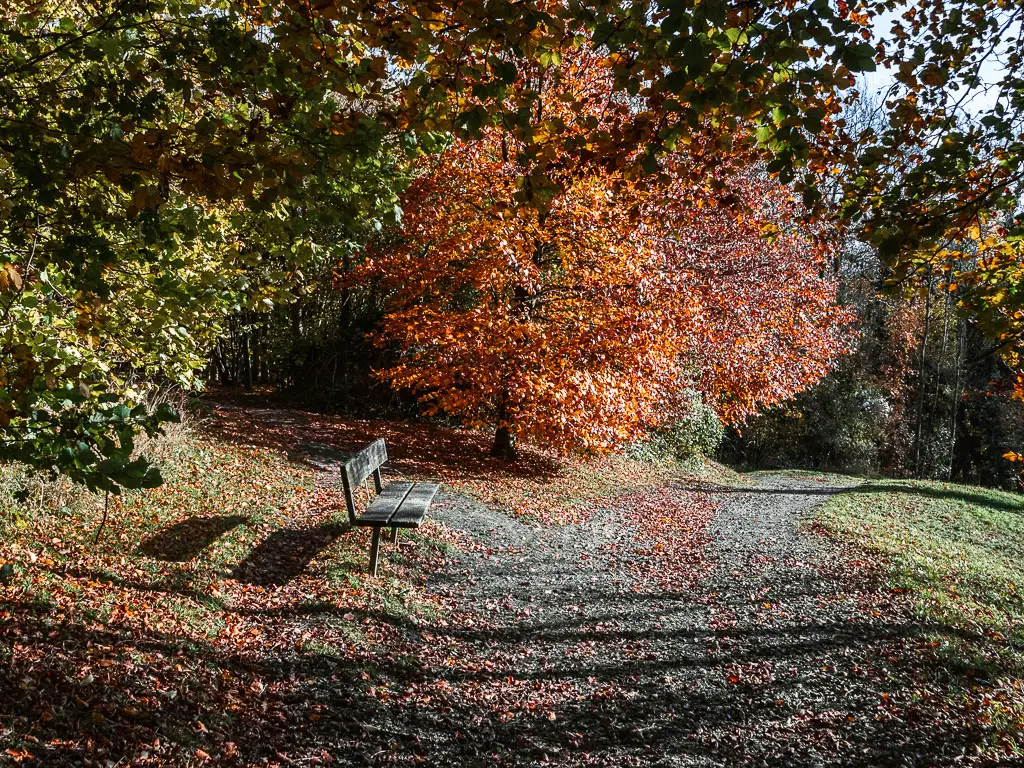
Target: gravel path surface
x,y
559,656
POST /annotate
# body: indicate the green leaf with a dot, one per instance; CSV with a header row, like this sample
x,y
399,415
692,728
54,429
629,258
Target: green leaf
x,y
859,57
697,57
506,71
550,58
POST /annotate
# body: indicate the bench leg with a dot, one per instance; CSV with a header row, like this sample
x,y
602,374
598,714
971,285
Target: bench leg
x,y
394,535
374,550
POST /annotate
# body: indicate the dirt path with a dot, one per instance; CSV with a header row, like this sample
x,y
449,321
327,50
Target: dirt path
x,y
559,656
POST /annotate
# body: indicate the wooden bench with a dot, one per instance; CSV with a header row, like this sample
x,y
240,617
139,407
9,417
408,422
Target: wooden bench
x,y
399,505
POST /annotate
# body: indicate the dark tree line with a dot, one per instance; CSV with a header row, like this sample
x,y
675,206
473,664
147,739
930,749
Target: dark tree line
x,y
925,394
313,352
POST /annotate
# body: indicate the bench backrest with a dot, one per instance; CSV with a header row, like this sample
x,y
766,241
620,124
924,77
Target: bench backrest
x,y
354,471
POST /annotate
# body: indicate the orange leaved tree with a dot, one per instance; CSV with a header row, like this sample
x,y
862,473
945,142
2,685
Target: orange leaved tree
x,y
575,312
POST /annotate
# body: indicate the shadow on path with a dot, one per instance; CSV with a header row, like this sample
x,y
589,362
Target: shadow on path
x,y
550,655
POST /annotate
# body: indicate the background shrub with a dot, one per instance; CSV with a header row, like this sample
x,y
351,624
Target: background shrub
x,y
698,434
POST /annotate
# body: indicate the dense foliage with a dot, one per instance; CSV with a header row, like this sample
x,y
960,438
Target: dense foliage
x,y
577,322
161,165
167,163
695,433
925,393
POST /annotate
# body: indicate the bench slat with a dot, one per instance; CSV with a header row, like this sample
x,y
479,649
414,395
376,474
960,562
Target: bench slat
x,y
383,507
413,508
362,465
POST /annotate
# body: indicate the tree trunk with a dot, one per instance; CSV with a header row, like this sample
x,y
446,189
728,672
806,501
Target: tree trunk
x,y
504,439
246,362
919,438
504,444
957,401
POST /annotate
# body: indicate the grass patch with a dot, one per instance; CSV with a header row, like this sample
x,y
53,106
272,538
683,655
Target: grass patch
x,y
957,552
232,524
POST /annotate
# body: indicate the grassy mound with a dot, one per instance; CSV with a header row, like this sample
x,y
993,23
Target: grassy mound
x,y
956,554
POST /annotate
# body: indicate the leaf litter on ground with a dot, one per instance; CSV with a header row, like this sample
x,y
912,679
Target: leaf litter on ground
x,y
577,613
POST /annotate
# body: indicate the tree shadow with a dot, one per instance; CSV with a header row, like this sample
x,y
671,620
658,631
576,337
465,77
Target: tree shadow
x,y
944,494
186,539
708,487
958,493
421,450
499,696
285,554
76,694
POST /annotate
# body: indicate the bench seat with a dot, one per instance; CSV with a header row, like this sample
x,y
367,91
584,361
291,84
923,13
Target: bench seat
x,y
400,505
